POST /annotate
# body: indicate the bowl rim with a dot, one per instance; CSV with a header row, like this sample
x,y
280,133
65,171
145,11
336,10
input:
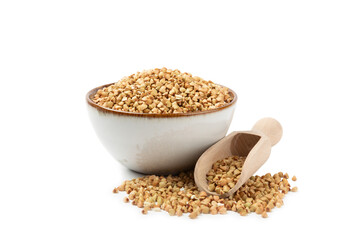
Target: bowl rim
x,y
92,92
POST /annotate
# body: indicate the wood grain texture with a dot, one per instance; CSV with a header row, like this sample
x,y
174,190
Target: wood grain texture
x,y
255,145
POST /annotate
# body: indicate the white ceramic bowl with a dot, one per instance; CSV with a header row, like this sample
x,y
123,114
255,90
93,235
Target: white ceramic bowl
x,y
158,143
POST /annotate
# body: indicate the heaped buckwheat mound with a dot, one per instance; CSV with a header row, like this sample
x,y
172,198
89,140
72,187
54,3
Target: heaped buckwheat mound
x,y
163,91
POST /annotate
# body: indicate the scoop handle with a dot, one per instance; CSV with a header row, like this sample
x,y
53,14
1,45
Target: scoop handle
x,y
271,128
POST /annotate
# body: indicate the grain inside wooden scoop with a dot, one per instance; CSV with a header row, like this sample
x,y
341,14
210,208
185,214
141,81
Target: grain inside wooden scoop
x,y
224,174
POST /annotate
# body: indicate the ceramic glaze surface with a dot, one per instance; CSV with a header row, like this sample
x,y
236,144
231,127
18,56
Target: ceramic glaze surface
x,y
159,145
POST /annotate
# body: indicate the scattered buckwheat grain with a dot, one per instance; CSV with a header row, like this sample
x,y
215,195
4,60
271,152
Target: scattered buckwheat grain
x,y
178,195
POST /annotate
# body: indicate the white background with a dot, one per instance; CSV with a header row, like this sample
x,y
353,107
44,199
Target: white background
x,y
296,61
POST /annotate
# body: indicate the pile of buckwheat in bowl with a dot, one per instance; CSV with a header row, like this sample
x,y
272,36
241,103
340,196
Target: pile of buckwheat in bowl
x,y
163,91
179,194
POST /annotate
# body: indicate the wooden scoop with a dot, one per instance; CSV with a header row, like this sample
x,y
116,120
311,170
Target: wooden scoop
x,y
255,145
